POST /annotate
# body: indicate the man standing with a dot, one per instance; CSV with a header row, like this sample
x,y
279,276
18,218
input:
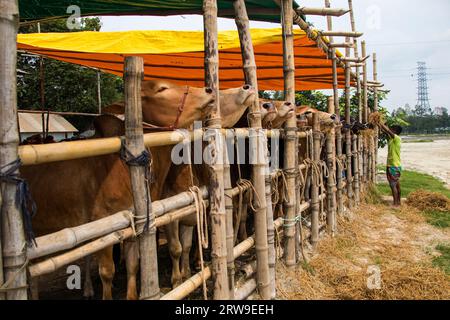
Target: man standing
x,y
393,165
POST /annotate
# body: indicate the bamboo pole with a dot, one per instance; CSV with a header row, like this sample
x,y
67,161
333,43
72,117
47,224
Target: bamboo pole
x,y
331,181
358,88
375,109
196,281
365,113
322,11
54,263
338,135
347,44
99,92
217,196
348,133
290,132
13,243
264,232
351,34
355,157
245,290
315,204
134,142
229,221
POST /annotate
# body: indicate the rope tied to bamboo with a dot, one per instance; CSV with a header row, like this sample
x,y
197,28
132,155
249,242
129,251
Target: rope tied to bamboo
x,y
9,173
319,172
6,286
142,160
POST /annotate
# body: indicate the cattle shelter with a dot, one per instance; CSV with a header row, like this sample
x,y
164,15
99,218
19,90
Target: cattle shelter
x,y
324,165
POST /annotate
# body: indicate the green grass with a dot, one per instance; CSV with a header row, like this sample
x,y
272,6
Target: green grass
x,y
443,261
412,181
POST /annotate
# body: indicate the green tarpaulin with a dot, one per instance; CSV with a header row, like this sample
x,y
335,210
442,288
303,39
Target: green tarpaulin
x,y
262,10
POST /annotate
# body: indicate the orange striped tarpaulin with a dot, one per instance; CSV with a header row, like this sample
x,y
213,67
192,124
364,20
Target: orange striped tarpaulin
x,y
179,55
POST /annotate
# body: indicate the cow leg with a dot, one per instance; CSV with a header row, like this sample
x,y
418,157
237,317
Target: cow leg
x,y
175,250
244,214
88,289
131,252
186,233
106,270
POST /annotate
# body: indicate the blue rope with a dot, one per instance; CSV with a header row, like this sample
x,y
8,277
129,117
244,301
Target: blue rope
x,y
10,174
142,160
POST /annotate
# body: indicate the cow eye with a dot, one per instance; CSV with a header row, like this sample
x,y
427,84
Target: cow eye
x,y
162,89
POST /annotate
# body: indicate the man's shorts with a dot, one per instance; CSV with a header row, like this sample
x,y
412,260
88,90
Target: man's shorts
x,y
393,174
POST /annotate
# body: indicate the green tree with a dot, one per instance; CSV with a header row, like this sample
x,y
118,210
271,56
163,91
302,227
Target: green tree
x,y
67,87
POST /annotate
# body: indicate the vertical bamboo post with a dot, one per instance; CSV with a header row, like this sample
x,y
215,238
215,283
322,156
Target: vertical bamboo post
x,y
315,205
348,137
331,181
290,131
356,183
214,123
338,134
99,92
264,228
134,142
12,232
359,98
229,222
365,112
375,109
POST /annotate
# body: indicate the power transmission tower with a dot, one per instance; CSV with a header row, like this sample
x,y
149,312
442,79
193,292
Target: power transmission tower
x,y
423,103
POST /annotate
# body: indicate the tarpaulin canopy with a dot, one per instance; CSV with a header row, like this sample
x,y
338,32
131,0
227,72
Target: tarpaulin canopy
x,y
179,55
263,10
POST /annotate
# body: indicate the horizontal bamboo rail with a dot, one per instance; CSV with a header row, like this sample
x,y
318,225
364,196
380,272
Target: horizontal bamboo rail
x,y
322,11
342,34
196,280
63,151
245,290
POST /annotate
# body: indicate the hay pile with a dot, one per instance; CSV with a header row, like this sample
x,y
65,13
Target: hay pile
x,y
376,118
428,201
373,236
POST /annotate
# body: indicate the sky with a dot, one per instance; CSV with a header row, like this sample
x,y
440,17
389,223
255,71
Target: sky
x,y
401,32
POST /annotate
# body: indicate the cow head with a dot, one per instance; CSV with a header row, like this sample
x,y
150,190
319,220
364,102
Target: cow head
x,y
268,112
162,102
234,102
285,111
326,120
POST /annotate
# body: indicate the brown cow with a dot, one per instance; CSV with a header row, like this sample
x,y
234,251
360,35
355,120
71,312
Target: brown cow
x,y
285,111
327,120
78,191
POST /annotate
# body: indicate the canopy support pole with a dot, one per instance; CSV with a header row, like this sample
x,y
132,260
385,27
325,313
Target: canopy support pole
x,y
13,262
348,133
215,142
375,109
264,227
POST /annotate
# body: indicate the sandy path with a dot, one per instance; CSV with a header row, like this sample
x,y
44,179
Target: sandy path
x,y
428,157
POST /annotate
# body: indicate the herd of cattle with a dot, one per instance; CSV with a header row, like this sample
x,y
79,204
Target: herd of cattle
x,y
75,192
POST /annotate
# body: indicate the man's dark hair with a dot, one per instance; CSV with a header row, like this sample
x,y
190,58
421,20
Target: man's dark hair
x,y
396,129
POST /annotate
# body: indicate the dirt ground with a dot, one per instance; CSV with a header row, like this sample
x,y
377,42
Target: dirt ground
x,y
427,157
397,242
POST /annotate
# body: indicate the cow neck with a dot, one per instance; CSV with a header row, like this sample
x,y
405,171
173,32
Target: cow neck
x,y
151,127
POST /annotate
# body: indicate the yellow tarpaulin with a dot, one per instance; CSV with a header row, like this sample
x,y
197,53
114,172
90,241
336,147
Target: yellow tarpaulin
x,y
179,55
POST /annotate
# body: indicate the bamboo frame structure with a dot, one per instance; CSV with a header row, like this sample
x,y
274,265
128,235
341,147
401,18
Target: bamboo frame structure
x,y
348,133
290,132
84,240
264,230
214,123
315,205
351,34
331,181
12,243
134,142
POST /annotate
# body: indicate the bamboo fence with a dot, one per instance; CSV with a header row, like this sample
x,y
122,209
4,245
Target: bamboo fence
x,y
58,249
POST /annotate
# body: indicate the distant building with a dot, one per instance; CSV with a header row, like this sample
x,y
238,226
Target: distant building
x,y
439,111
30,124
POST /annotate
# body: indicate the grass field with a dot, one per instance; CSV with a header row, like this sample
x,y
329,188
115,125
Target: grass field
x,y
411,181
